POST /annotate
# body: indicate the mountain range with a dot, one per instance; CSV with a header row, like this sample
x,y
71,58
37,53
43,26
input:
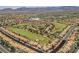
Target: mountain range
x,y
29,9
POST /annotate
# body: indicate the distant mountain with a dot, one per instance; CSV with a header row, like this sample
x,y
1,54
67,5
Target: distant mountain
x,y
7,9
30,9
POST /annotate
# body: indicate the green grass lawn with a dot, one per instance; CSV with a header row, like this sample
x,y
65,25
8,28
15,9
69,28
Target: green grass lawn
x,y
58,27
31,36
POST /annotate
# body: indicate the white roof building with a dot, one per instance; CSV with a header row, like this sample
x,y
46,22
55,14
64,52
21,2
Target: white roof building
x,y
34,19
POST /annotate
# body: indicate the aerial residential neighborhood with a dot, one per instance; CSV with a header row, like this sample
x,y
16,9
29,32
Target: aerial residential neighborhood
x,y
39,30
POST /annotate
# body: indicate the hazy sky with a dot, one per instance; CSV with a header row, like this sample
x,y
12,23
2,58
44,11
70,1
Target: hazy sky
x,y
26,3
14,7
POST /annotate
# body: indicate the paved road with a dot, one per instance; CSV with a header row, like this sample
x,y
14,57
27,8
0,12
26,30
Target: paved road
x,y
3,50
17,40
69,32
64,39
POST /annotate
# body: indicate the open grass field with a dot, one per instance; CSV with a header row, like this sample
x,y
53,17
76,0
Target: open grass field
x,y
37,37
59,27
31,36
